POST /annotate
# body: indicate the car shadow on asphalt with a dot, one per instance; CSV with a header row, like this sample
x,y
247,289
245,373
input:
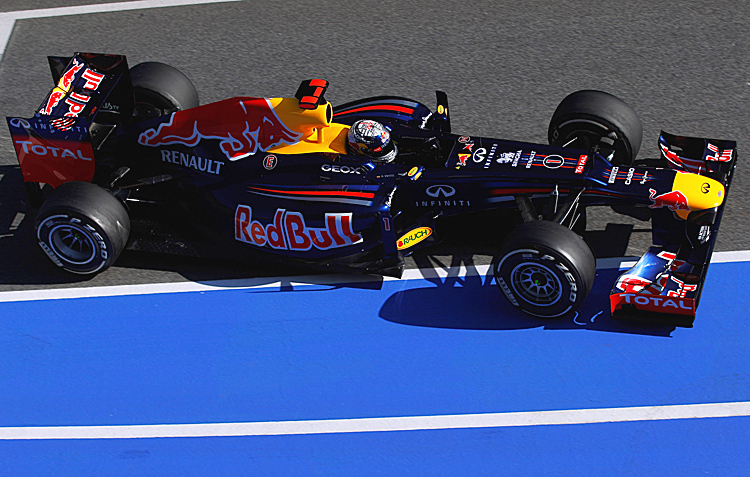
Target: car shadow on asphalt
x,y
473,302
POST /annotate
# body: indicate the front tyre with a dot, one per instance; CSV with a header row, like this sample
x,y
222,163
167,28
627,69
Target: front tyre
x,y
584,118
82,228
545,269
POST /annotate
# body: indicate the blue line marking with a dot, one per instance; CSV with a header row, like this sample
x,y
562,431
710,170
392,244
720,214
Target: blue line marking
x,y
400,348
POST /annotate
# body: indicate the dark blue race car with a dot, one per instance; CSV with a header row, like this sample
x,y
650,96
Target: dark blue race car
x,y
115,156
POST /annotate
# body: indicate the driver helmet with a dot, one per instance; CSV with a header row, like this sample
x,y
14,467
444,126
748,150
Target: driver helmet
x,y
372,139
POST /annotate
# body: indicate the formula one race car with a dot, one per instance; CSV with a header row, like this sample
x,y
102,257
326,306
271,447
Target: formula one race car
x,y
114,153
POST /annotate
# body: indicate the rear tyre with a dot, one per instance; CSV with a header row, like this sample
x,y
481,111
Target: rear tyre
x,y
161,89
583,118
82,228
545,269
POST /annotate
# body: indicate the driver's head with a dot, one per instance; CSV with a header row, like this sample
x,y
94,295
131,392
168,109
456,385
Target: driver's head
x,y
372,139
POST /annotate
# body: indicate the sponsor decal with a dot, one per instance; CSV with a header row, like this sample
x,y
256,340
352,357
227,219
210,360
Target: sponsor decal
x,y
517,157
443,203
415,173
479,155
658,303
674,200
683,288
468,146
67,78
54,161
704,234
29,147
553,161
439,190
19,123
613,175
247,126
506,290
413,237
93,79
632,283
506,157
64,124
288,231
462,158
705,187
581,164
193,162
629,177
337,168
54,99
488,162
76,104
269,162
529,162
424,121
464,139
62,88
645,178
75,101
725,156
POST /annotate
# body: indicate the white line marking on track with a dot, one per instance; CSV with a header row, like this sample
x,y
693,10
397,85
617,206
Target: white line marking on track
x,y
8,19
276,282
384,424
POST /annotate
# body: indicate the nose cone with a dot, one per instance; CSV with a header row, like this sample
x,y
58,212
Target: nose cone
x,y
701,192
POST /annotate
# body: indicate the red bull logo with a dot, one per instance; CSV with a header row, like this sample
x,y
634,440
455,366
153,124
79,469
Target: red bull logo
x,y
54,99
70,74
674,200
243,126
288,231
62,88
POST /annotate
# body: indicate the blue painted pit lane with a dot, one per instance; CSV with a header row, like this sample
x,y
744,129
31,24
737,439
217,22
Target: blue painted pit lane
x,y
419,347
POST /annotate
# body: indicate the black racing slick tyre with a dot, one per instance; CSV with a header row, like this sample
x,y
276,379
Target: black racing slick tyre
x,y
161,89
82,228
583,118
545,269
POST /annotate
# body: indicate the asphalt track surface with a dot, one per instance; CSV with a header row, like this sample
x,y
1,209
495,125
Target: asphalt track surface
x,y
683,67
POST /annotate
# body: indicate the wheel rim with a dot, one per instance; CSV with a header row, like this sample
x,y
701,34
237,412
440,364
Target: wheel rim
x,y
72,244
584,134
536,284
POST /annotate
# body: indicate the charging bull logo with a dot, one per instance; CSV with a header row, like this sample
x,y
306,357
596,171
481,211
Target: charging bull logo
x,y
62,88
674,200
243,127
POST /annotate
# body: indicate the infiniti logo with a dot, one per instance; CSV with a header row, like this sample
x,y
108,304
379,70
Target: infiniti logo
x,y
440,190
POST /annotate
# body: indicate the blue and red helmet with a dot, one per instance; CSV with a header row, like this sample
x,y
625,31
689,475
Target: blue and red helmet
x,y
371,139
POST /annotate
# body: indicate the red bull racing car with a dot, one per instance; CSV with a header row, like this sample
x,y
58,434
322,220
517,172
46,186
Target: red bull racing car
x,y
113,153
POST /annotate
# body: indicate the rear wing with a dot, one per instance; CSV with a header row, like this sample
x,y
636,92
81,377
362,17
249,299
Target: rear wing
x,y
665,285
91,97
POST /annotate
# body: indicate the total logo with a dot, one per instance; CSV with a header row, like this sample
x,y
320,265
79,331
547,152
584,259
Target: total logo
x,y
413,237
288,231
46,151
659,303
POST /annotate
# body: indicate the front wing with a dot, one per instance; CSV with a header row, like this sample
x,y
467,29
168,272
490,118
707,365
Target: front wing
x,y
665,285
